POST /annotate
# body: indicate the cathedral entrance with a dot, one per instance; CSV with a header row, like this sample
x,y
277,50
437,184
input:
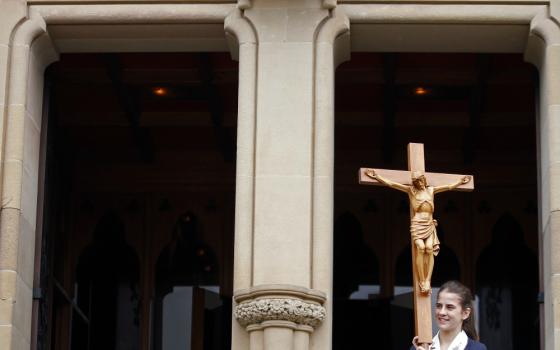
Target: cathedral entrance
x,y
475,114
137,242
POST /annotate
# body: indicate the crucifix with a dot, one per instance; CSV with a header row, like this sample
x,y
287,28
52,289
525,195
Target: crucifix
x,y
421,188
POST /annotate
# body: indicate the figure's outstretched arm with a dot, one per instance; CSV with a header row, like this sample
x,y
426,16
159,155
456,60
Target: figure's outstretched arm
x,y
462,181
398,186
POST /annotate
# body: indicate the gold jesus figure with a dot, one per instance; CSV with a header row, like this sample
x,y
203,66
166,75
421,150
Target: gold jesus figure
x,y
422,222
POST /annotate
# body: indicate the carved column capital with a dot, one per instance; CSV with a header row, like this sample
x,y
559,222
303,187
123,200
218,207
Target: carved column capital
x,y
272,305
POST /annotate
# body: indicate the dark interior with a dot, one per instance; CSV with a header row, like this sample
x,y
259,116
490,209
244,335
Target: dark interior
x,y
475,114
140,187
140,202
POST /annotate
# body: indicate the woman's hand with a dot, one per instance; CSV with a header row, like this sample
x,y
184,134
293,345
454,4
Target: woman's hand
x,y
416,345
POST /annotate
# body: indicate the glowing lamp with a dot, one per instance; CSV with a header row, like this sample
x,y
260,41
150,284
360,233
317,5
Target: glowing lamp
x,y
421,91
160,91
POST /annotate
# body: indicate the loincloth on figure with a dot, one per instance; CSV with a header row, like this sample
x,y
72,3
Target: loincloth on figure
x,y
423,229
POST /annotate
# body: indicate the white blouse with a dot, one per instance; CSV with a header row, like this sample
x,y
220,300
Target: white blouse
x,y
459,343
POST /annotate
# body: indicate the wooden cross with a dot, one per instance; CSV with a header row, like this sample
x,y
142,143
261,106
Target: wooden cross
x,y
419,215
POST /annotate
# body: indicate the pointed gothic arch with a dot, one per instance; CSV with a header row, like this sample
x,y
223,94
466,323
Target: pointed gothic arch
x,y
107,278
189,309
506,278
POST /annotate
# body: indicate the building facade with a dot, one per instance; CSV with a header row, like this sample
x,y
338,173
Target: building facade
x,y
288,52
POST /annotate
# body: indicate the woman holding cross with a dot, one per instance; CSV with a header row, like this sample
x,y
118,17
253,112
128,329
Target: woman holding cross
x,y
454,313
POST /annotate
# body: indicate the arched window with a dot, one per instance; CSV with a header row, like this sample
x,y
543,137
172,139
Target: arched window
x,y
189,310
507,277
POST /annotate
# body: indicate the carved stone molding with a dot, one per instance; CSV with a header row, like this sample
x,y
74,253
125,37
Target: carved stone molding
x,y
336,30
544,32
260,305
456,13
247,4
294,310
122,13
543,27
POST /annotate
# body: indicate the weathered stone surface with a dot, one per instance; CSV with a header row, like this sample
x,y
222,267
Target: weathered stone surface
x,y
9,238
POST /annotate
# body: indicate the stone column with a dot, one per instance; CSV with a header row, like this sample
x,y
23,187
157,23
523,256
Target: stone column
x,y
30,50
543,50
287,53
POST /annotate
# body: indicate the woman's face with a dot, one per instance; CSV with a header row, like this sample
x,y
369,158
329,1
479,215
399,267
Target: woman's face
x,y
449,312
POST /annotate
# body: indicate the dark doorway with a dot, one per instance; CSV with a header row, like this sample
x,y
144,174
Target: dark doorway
x,y
475,114
140,181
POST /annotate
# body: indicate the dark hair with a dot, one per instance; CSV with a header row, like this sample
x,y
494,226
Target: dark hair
x,y
466,297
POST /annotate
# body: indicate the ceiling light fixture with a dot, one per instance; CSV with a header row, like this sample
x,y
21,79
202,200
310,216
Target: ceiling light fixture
x,y
421,91
160,91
